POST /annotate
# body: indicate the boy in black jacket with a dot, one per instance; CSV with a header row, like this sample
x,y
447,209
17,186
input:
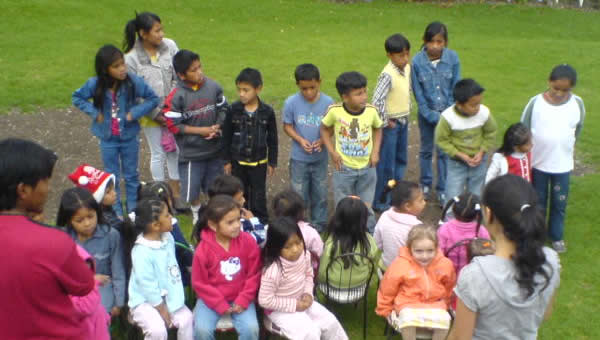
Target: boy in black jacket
x,y
250,138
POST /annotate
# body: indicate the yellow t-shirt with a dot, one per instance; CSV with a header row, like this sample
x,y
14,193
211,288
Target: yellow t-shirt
x,y
353,134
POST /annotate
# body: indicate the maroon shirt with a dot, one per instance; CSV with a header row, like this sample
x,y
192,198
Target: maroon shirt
x,y
39,267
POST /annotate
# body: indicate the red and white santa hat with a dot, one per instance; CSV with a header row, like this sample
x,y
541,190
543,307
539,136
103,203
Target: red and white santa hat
x,y
92,179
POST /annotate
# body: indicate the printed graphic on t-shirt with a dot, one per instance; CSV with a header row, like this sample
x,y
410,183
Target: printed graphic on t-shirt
x,y
353,138
310,120
230,267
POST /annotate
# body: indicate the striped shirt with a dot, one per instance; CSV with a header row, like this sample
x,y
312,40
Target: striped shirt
x,y
283,283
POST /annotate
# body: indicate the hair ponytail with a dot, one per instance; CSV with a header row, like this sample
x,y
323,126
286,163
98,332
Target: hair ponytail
x,y
130,32
143,21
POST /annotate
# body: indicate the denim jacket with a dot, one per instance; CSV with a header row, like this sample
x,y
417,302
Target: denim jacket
x,y
433,86
128,99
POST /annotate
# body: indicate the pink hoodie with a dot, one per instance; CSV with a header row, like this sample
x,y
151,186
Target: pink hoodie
x,y
453,231
391,233
89,308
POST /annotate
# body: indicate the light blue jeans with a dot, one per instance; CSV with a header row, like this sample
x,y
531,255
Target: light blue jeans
x,y
427,131
462,177
309,179
205,322
357,182
120,158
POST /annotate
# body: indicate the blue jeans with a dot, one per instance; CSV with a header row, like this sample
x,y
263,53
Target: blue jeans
x,y
205,322
426,155
309,179
462,177
556,188
357,182
392,161
121,157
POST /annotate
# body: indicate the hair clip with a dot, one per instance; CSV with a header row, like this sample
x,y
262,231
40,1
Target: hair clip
x,y
160,190
477,207
353,197
524,206
456,199
391,183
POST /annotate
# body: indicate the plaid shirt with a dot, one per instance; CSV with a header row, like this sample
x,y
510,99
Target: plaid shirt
x,y
383,87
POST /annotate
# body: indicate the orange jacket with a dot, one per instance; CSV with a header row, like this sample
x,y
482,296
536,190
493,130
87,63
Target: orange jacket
x,y
408,284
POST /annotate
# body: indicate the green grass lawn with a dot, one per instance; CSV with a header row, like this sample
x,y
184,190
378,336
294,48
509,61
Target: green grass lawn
x,y
48,48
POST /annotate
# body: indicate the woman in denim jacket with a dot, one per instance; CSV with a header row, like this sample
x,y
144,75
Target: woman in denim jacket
x,y
120,99
435,71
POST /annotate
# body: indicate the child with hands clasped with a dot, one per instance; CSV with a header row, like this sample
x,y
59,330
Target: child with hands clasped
x,y
225,271
80,213
287,285
395,223
416,288
514,156
115,111
156,297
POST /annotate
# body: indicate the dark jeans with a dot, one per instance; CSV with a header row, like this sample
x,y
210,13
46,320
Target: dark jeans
x,y
392,161
555,188
254,179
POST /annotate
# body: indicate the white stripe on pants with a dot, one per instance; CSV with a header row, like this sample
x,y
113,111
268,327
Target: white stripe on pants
x,y
315,323
158,155
149,320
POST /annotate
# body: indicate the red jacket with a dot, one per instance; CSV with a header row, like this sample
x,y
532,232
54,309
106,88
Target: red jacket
x,y
408,284
221,277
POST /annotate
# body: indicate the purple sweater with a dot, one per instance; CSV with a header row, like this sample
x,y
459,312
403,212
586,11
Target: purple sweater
x,y
453,231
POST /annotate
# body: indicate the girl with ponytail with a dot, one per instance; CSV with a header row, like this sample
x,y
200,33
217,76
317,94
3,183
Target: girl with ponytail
x,y
507,295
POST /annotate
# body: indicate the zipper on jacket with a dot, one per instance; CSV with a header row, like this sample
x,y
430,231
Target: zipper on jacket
x,y
427,282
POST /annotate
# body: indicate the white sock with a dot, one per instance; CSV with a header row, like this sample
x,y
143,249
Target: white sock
x,y
195,209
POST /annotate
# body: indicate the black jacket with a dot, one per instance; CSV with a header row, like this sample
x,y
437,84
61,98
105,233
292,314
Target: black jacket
x,y
250,138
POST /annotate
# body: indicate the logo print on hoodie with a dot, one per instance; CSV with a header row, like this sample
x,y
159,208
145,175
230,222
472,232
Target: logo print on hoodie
x,y
230,267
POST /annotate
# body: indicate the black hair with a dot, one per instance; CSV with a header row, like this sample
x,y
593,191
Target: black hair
x,y
105,57
513,202
465,89
142,21
564,71
289,203
250,76
183,59
307,72
22,161
466,207
516,135
159,190
401,192
348,228
216,208
279,232
434,29
225,185
72,200
396,43
349,81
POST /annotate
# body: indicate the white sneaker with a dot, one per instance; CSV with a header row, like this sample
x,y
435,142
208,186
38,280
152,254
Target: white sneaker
x,y
559,246
195,211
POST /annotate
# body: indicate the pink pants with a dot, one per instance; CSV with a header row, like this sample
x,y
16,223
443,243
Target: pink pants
x,y
153,326
315,323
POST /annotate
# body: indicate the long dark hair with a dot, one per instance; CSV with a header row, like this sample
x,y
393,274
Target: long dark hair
x,y
105,57
348,229
216,208
513,202
516,135
143,21
465,208
279,232
72,200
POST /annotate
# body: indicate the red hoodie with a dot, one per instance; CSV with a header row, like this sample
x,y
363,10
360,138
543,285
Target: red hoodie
x,y
221,277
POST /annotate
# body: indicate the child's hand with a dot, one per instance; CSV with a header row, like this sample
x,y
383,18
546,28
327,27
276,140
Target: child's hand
x,y
270,170
129,117
236,309
100,118
307,298
38,217
103,279
317,145
306,145
246,214
477,158
115,311
374,159
164,314
391,123
301,305
337,160
227,168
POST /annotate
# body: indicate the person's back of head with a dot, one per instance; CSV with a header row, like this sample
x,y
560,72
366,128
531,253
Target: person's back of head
x,y
288,203
349,81
348,228
225,185
182,61
396,43
466,207
401,192
24,164
465,89
250,76
159,190
307,72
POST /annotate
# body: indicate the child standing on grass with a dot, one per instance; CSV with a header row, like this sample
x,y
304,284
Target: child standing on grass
x,y
80,213
302,114
356,130
115,111
395,223
286,288
465,132
416,288
194,112
555,118
225,272
435,72
514,156
156,296
250,141
392,100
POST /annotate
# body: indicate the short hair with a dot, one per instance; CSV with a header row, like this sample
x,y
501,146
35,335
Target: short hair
x,y
250,76
465,89
183,60
349,81
564,71
289,203
22,161
396,43
225,185
307,72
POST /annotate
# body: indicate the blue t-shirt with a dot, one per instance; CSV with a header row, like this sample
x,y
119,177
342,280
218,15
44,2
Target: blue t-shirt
x,y
306,119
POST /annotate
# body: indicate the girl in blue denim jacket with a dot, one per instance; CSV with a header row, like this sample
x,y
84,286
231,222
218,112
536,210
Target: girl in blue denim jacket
x,y
80,213
119,100
435,71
